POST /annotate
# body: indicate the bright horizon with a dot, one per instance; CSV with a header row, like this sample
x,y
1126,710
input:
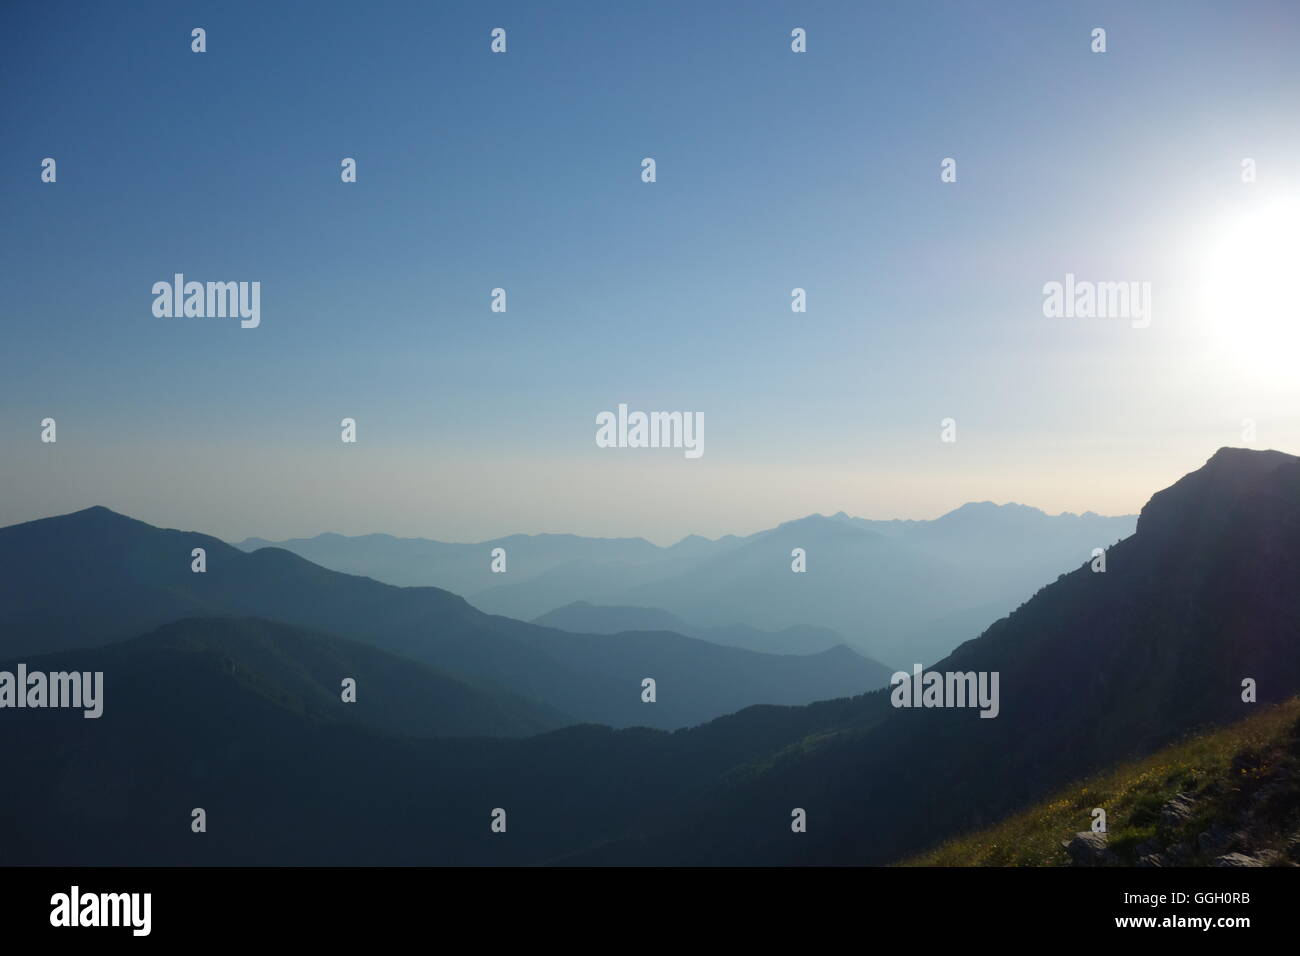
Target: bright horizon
x,y
659,541
775,171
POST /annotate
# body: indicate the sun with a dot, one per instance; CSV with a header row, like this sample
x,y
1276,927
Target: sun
x,y
1251,294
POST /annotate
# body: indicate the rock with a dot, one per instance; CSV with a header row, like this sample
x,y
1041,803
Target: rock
x,y
1292,850
1219,840
1235,859
1154,859
1177,811
1180,853
1090,849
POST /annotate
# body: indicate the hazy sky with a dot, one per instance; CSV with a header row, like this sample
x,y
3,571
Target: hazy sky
x,y
522,170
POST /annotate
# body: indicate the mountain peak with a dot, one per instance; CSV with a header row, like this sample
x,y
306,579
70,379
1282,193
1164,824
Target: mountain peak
x,y
971,506
1230,476
96,511
1229,457
988,510
838,524
95,514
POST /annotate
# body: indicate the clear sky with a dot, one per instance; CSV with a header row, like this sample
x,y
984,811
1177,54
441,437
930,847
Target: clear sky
x,y
522,170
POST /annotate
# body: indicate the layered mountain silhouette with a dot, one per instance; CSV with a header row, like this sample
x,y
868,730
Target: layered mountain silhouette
x,y
96,577
898,591
584,618
461,568
1095,668
186,664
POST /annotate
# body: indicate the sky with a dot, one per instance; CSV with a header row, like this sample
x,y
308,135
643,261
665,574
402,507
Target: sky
x,y
522,170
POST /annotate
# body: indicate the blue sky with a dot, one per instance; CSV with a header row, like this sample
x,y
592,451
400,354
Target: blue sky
x,y
775,170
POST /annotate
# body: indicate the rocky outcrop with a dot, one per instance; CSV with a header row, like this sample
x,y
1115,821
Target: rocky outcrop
x,y
1248,816
1090,849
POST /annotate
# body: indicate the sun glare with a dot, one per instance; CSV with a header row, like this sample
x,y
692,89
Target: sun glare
x,y
1250,293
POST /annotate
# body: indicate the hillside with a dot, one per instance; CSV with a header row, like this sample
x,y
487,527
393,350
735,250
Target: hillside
x,y
584,618
176,665
1227,797
580,617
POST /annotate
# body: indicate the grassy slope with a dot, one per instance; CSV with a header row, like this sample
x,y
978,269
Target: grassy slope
x,y
1223,769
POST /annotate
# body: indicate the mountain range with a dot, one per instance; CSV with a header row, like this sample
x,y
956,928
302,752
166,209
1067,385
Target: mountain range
x,y
96,577
897,591
584,618
1095,668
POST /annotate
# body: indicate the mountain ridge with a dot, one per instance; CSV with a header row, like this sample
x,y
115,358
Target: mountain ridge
x,y
131,578
885,586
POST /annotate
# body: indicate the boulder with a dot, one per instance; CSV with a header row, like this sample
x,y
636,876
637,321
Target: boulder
x,y
1090,849
1219,840
1177,811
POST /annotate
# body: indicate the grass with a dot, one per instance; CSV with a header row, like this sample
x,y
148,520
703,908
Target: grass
x,y
1219,769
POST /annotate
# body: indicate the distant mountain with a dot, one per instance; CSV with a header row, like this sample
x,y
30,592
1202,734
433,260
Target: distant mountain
x,y
797,639
1095,669
459,568
898,591
859,583
526,597
583,618
895,589
96,577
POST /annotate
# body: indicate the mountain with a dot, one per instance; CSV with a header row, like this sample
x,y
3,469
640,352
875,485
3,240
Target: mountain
x,y
526,598
584,618
859,583
180,664
284,781
796,639
898,591
894,589
460,568
96,577
1095,669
